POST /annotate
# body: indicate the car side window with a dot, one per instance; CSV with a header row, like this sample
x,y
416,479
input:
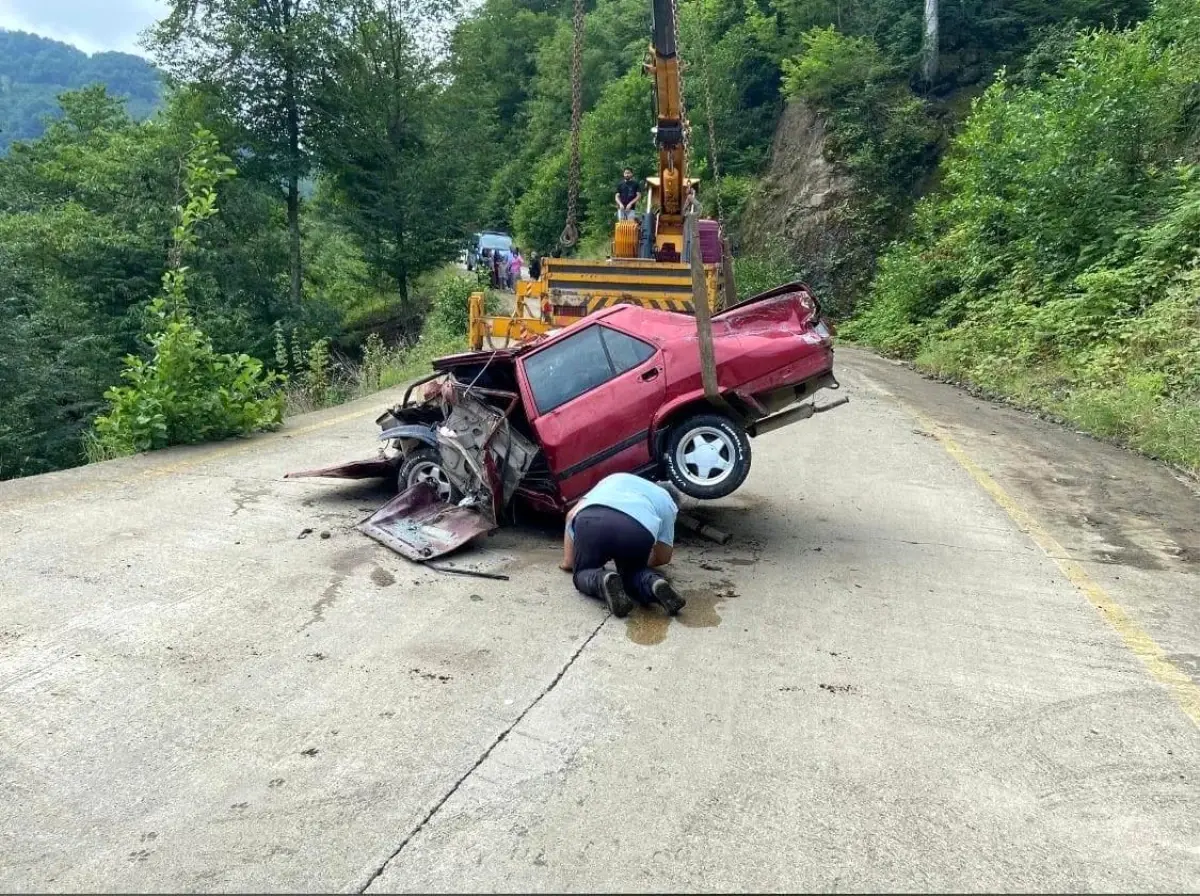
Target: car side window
x,y
626,351
568,369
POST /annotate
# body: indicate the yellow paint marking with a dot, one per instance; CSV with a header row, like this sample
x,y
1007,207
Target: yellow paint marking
x,y
1179,685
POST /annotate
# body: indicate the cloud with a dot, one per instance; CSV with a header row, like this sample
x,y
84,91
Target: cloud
x,y
91,25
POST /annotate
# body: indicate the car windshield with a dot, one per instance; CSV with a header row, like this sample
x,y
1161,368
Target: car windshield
x,y
495,241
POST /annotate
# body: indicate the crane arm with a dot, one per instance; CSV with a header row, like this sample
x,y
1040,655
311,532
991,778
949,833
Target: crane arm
x,y
663,67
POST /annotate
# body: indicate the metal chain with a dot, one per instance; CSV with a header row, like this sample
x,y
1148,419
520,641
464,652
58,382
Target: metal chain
x,y
570,234
683,119
708,113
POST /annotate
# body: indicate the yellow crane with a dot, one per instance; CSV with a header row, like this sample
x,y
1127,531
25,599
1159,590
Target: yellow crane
x,y
651,257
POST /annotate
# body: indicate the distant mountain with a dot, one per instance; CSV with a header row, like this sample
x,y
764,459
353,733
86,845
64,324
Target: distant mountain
x,y
35,70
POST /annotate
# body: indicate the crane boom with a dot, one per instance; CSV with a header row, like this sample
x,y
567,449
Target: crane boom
x,y
667,189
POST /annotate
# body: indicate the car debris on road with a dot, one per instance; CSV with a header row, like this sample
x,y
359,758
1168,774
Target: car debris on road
x,y
620,391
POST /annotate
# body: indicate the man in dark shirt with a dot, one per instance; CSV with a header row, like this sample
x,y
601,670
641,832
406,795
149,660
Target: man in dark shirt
x,y
629,191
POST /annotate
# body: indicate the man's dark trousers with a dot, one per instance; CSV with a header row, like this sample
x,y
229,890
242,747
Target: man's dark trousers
x,y
603,534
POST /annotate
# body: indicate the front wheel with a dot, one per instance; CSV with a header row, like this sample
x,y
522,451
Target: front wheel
x,y
707,456
425,465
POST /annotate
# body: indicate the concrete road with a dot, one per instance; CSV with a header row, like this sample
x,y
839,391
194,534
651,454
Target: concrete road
x,y
951,647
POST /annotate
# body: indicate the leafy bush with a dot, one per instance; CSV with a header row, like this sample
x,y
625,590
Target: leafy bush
x,y
449,311
187,392
753,274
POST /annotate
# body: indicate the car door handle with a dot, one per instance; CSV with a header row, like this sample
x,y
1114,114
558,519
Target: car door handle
x,y
651,374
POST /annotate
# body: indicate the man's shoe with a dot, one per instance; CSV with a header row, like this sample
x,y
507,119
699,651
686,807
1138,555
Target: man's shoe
x,y
614,595
667,597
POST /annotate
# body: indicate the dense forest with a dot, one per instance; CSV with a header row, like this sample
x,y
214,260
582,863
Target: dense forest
x,y
35,70
317,164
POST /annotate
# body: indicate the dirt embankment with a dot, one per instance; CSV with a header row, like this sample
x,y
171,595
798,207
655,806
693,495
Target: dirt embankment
x,y
802,203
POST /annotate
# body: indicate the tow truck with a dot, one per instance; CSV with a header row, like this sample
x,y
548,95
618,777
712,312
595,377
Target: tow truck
x,y
650,259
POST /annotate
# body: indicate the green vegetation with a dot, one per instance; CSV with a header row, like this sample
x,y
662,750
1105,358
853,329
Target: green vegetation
x,y
1058,263
186,392
318,379
35,70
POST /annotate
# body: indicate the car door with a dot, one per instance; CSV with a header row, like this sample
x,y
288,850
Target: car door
x,y
591,398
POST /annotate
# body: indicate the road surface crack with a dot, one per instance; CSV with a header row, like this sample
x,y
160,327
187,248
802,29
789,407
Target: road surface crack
x,y
482,759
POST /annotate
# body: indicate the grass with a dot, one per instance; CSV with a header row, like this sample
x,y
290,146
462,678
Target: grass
x,y
335,379
1131,411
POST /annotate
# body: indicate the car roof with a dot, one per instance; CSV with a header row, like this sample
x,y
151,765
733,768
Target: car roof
x,y
627,314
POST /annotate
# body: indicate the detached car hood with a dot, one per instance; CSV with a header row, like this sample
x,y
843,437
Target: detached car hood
x,y
416,525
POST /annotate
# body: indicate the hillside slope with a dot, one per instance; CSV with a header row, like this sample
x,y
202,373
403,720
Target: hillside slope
x,y
35,70
1058,265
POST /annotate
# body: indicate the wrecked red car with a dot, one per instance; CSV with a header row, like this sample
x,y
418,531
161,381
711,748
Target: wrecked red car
x,y
619,391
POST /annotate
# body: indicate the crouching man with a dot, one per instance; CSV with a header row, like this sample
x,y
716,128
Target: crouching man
x,y
630,521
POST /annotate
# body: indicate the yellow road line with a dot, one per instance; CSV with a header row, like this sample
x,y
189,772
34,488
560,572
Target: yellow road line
x,y
1184,691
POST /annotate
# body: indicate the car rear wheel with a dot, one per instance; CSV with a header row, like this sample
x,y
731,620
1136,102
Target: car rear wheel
x,y
707,456
425,465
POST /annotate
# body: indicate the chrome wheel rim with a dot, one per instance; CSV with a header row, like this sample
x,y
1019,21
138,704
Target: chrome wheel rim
x,y
705,456
431,473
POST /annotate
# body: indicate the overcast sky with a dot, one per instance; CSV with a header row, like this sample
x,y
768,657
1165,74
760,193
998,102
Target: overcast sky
x,y
90,25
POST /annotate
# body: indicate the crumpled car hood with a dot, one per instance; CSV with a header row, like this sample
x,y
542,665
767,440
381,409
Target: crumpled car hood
x,y
416,525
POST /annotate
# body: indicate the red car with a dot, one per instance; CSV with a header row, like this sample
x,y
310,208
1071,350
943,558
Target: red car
x,y
619,391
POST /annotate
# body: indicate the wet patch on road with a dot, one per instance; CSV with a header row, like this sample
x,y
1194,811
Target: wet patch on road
x,y
648,626
382,577
244,493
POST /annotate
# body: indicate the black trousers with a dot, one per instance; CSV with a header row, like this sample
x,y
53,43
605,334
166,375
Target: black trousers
x,y
603,534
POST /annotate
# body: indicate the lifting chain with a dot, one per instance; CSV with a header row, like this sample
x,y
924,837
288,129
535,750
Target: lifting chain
x,y
683,119
708,114
570,234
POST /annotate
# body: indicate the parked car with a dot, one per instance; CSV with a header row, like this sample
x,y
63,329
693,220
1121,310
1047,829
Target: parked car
x,y
484,244
619,391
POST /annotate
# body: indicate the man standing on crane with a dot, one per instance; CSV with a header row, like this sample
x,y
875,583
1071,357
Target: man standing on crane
x,y
629,191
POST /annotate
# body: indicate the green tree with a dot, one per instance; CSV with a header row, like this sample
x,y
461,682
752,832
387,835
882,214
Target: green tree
x,y
262,59
186,392
1058,261
615,135
83,211
390,159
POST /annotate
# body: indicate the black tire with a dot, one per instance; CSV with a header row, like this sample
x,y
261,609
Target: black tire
x,y
425,464
727,461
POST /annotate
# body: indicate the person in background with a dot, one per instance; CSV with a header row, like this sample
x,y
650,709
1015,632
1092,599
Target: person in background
x,y
535,266
515,264
497,269
485,262
630,521
629,191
